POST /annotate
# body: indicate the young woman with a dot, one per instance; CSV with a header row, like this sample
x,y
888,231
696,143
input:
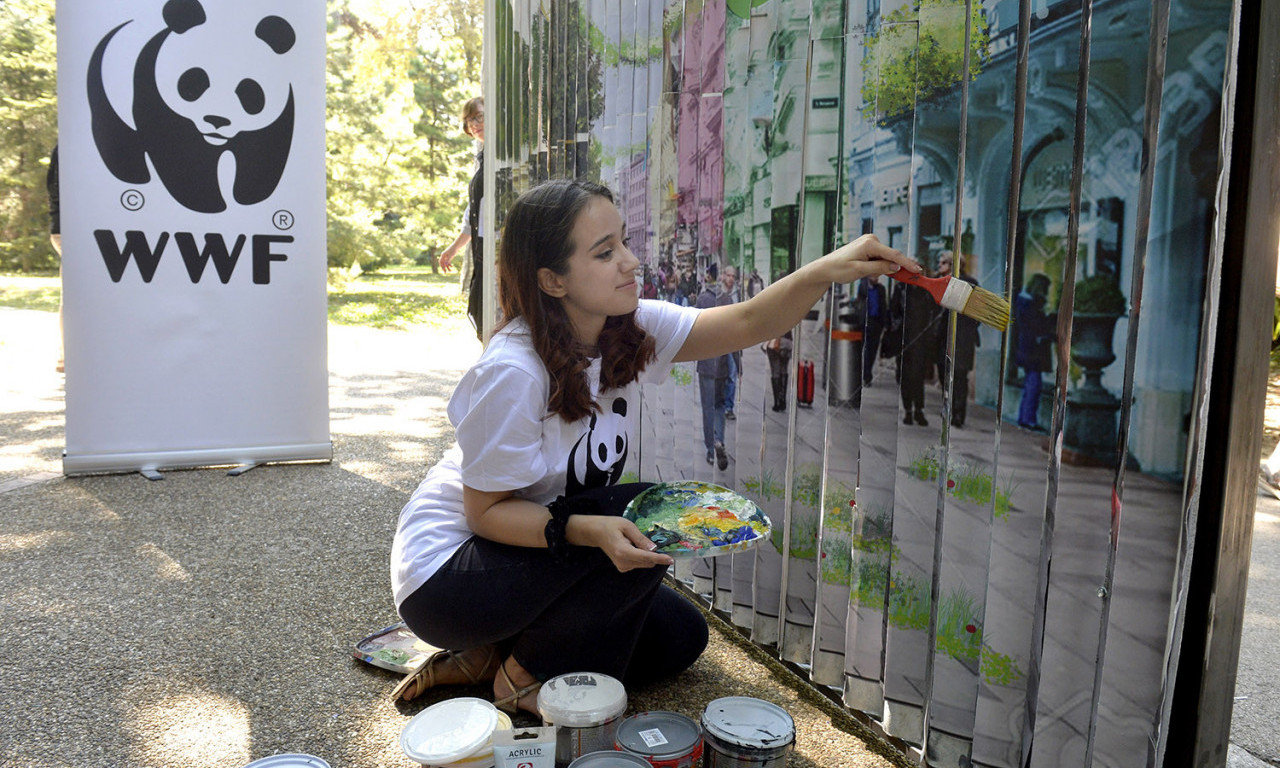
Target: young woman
x,y
512,551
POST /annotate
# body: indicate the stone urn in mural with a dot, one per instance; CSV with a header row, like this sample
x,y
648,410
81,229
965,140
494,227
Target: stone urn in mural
x,y
1091,409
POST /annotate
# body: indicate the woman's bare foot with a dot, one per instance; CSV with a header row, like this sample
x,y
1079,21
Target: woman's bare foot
x,y
514,687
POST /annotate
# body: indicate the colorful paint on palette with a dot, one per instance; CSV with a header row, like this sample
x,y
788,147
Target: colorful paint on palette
x,y
696,519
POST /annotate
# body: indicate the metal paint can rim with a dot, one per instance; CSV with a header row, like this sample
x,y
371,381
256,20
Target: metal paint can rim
x,y
661,737
745,723
292,760
609,759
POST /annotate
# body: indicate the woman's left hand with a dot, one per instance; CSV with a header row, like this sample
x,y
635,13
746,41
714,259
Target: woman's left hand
x,y
618,538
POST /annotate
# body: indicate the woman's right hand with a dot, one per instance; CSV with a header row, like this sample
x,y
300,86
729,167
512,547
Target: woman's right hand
x,y
618,538
446,258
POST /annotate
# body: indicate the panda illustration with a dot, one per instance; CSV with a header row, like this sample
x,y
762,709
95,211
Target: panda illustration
x,y
192,103
598,457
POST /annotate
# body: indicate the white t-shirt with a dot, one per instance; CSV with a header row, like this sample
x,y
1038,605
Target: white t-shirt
x,y
507,440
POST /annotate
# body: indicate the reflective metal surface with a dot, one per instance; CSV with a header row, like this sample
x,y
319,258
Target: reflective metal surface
x,y
984,566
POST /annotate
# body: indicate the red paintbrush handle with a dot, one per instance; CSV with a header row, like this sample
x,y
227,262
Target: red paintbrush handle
x,y
936,286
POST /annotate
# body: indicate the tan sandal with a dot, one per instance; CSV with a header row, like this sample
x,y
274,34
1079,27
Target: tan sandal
x,y
425,674
511,703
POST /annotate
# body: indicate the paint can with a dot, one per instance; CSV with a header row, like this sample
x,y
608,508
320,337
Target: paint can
x,y
585,708
609,759
295,760
663,739
742,732
455,733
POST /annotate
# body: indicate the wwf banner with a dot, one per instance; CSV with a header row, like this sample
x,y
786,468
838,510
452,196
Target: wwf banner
x,y
191,146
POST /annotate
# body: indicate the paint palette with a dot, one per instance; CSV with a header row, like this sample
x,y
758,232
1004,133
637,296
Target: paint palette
x,y
395,648
691,518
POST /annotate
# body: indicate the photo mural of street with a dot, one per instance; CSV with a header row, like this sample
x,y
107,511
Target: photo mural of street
x,y
979,535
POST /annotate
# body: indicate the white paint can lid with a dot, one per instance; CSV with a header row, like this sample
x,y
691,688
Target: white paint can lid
x,y
446,732
581,700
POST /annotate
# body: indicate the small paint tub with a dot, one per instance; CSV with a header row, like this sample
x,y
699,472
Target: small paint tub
x,y
663,739
296,760
742,732
609,759
585,708
455,733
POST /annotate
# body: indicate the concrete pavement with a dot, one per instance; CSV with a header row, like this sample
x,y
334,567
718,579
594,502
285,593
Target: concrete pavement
x,y
207,620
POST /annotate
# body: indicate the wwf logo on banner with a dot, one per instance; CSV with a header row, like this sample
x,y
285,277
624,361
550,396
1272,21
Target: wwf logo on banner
x,y
201,100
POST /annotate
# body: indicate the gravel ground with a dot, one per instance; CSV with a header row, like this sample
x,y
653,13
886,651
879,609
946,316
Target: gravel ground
x,y
207,620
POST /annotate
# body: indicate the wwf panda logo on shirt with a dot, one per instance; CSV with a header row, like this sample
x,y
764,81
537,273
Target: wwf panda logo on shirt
x,y
201,100
598,457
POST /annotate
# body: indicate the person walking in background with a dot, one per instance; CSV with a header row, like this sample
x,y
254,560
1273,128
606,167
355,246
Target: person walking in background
x,y
918,314
871,297
729,295
755,283
472,226
55,236
1036,329
967,342
713,375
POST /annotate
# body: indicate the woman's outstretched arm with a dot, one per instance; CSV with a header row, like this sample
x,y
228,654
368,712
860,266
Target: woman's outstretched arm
x,y
777,309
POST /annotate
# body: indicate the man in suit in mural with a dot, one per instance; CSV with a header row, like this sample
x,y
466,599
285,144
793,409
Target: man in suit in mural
x,y
874,302
713,375
1036,329
967,342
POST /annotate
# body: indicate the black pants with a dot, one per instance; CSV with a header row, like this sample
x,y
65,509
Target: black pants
x,y
580,616
475,291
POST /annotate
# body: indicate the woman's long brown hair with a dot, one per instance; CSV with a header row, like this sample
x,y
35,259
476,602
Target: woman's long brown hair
x,y
539,233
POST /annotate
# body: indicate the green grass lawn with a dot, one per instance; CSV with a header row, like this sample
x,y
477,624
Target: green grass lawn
x,y
397,297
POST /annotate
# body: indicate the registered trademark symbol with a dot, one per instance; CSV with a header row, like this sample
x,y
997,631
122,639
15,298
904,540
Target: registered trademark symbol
x,y
132,200
282,220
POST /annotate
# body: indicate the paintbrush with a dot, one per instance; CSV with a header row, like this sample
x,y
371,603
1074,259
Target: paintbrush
x,y
960,296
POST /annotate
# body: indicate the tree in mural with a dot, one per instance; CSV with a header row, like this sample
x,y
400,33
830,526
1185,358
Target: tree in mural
x,y
918,52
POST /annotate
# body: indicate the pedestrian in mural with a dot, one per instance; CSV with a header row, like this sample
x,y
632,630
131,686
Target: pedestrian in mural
x,y
1036,330
689,288
967,342
917,316
778,352
875,305
755,283
513,553
472,225
713,377
729,295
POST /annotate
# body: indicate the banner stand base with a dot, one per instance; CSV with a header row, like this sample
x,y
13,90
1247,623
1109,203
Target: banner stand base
x,y
151,464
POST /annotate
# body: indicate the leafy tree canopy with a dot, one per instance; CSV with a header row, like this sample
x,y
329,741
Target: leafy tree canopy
x,y
28,131
917,54
397,160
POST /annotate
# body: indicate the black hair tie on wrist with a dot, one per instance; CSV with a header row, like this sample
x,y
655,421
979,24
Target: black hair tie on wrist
x,y
557,544
557,526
